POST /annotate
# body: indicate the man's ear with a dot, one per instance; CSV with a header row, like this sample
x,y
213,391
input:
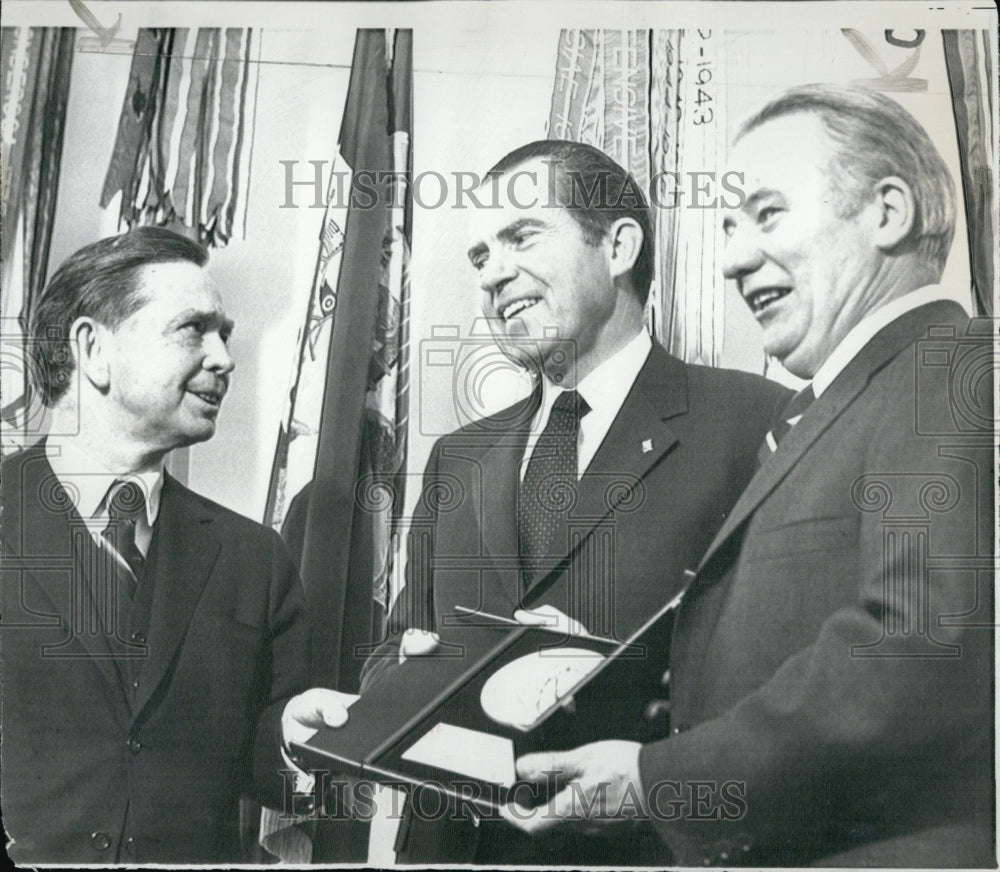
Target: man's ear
x,y
895,212
89,342
625,241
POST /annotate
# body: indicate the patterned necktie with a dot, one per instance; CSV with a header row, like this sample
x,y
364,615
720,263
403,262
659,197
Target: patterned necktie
x,y
125,503
788,418
546,494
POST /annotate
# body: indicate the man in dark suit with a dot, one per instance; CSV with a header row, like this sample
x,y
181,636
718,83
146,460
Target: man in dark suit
x,y
151,641
832,660
658,449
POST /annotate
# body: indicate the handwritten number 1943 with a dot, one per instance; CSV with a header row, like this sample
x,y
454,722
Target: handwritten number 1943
x,y
702,112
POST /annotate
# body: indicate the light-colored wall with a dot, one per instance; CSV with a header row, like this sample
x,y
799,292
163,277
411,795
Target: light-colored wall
x,y
477,95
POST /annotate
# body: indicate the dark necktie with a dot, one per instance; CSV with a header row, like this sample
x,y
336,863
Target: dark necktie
x,y
788,418
125,503
546,494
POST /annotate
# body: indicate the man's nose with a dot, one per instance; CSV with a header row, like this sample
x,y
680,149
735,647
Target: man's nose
x,y
217,356
496,273
742,254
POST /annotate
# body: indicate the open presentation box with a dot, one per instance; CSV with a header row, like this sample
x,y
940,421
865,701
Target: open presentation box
x,y
456,719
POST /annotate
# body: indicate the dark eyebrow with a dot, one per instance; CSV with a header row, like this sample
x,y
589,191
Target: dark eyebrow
x,y
505,234
508,233
211,318
764,194
478,249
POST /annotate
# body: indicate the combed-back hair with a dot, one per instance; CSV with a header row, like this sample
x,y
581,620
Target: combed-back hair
x,y
100,281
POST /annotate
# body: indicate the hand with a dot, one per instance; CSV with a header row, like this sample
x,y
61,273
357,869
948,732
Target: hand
x,y
604,789
551,617
307,712
417,643
303,715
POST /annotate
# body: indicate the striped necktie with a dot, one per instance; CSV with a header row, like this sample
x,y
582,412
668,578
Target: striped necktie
x,y
126,502
788,418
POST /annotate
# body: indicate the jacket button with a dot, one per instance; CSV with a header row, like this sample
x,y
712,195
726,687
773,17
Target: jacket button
x,y
100,840
303,805
139,638
134,745
656,709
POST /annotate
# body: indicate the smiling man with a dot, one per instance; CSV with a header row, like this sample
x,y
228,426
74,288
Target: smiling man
x,y
832,660
151,644
585,502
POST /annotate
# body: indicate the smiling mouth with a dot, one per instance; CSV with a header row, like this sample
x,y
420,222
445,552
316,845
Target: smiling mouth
x,y
517,307
211,398
760,299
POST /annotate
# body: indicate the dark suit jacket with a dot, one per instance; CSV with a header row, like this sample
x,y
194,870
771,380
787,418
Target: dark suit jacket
x,y
677,456
832,662
92,772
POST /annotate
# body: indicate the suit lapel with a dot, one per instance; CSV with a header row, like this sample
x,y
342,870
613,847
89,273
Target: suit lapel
x,y
638,439
54,536
882,348
187,549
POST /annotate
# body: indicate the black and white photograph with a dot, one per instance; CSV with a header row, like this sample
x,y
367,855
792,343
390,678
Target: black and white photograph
x,y
492,433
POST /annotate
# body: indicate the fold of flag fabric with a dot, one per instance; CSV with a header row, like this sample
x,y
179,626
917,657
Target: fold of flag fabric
x,y
336,485
181,149
298,433
967,60
601,95
388,389
623,92
131,147
35,65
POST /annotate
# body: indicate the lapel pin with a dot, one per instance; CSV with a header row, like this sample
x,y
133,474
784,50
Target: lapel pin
x,y
647,446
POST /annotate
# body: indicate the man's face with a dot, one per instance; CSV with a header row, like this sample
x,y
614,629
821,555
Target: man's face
x,y
807,273
544,286
168,363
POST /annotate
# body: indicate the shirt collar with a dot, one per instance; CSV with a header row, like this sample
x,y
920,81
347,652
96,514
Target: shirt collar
x,y
863,332
607,385
87,480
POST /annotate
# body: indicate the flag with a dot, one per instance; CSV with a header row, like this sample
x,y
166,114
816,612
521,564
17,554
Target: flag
x,y
647,99
342,523
298,434
35,64
180,155
967,60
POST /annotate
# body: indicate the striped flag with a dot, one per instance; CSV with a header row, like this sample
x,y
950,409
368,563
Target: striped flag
x,y
645,98
180,155
336,484
35,65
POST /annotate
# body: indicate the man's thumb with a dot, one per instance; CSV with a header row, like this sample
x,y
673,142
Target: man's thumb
x,y
417,643
536,767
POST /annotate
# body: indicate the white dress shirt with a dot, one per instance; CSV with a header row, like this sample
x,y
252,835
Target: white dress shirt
x,y
605,390
87,481
862,332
